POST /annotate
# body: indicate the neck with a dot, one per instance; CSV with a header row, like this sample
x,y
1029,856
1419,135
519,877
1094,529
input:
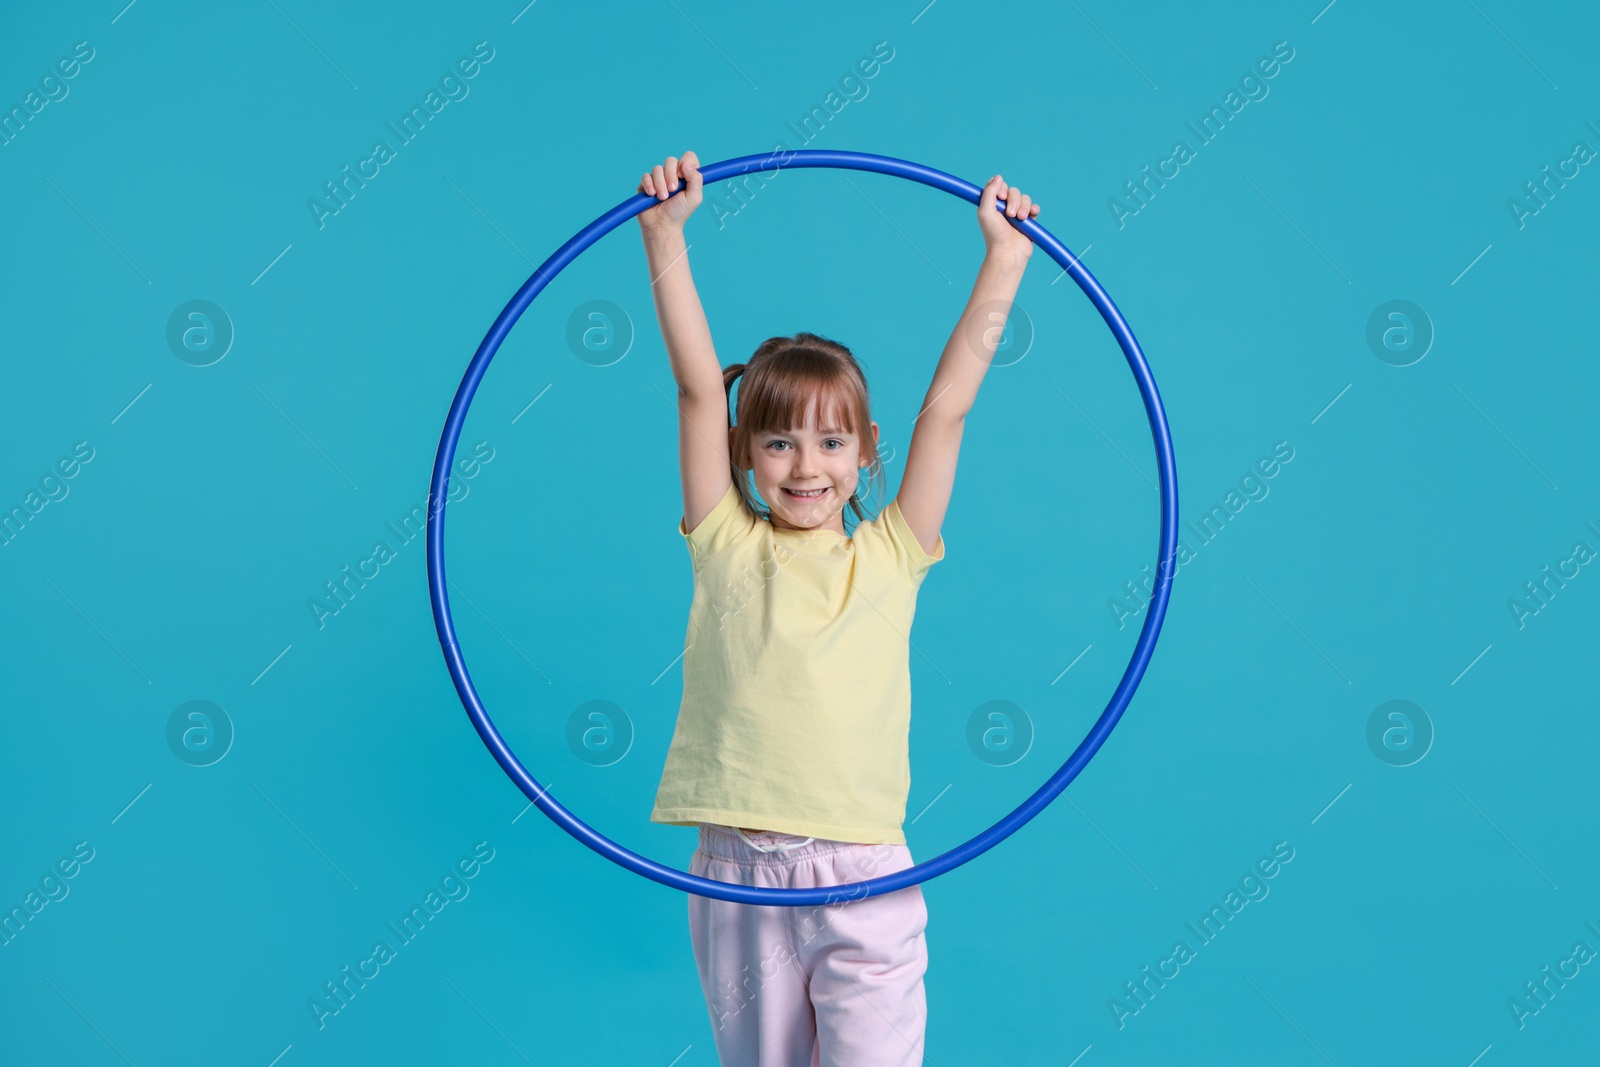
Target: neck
x,y
778,524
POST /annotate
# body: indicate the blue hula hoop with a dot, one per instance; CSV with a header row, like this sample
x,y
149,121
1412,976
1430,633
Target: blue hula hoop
x,y
769,165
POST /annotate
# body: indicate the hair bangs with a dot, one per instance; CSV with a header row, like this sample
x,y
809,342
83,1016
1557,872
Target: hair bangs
x,y
822,391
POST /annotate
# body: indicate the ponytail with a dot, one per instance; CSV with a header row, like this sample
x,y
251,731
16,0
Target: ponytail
x,y
730,374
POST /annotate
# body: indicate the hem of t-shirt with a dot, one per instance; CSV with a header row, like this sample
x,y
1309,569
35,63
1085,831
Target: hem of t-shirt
x,y
859,835
924,559
706,527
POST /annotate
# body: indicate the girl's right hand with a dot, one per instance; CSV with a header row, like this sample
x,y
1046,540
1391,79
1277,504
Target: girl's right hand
x,y
676,186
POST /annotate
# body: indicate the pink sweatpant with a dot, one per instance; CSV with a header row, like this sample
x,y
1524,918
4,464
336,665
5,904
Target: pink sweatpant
x,y
826,985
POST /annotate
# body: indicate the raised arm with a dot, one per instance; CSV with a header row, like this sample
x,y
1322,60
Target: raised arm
x,y
936,442
702,401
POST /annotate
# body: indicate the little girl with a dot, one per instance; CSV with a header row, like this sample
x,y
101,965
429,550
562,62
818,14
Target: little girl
x,y
790,751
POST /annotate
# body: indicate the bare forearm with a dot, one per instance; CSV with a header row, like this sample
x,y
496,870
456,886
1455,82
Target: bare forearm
x,y
972,343
680,315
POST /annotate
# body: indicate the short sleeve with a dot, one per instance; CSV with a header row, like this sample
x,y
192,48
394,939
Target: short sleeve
x,y
716,529
913,558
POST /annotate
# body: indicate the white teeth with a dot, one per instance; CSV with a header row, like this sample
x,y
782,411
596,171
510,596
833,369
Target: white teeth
x,y
809,495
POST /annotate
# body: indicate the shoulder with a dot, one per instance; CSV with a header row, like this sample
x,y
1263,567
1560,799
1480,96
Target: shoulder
x,y
723,524
889,536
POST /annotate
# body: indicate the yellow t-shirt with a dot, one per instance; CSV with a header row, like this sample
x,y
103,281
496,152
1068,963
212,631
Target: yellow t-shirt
x,y
796,678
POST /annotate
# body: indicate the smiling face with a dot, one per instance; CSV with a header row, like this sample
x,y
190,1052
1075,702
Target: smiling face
x,y
807,474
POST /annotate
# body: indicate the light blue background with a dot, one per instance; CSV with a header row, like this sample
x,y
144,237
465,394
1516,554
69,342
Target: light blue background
x,y
1420,899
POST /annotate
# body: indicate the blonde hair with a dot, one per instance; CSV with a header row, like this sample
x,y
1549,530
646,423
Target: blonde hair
x,y
779,383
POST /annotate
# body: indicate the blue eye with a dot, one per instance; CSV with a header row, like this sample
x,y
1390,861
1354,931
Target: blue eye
x,y
831,441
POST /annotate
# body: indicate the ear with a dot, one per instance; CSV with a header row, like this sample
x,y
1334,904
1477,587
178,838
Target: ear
x,y
864,464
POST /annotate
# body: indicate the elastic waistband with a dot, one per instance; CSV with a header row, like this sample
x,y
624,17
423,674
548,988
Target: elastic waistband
x,y
729,843
776,846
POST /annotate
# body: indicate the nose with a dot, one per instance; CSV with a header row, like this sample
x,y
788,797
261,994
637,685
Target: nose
x,y
805,462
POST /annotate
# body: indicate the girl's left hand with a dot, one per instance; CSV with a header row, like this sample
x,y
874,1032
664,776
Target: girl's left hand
x,y
999,236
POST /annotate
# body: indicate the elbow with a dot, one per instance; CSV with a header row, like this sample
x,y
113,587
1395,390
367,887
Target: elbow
x,y
952,419
954,410
949,403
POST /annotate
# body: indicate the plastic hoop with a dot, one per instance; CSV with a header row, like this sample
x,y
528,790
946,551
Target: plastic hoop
x,y
769,165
